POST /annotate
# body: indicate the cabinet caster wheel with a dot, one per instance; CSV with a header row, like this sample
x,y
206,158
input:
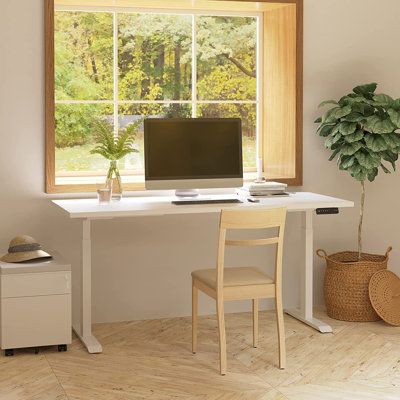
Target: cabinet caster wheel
x,y
9,352
62,347
36,350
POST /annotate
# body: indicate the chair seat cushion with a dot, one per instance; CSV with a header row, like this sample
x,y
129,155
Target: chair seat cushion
x,y
237,276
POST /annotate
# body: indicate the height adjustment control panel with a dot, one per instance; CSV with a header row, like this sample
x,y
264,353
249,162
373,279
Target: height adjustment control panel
x,y
327,210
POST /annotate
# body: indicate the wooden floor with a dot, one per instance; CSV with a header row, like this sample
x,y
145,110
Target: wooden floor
x,y
152,360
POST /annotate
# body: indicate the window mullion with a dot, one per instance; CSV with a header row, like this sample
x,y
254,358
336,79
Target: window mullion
x,y
194,67
115,72
259,80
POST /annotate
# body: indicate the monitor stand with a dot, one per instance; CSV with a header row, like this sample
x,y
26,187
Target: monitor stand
x,y
192,196
187,193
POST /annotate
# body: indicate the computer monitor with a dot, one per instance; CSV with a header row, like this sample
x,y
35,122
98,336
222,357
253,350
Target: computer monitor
x,y
192,153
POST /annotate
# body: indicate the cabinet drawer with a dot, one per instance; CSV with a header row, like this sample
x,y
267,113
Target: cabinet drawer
x,y
35,321
35,284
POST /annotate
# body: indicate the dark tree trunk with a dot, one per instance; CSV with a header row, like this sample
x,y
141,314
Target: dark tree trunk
x,y
146,69
159,64
177,71
75,41
93,62
177,77
185,75
125,58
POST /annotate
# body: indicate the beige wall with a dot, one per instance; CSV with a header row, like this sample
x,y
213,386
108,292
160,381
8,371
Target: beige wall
x,y
142,266
349,42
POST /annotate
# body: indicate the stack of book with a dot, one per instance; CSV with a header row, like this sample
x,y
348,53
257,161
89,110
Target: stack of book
x,y
263,189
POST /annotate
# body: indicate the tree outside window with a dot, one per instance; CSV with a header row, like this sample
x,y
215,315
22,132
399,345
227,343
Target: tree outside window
x,y
123,66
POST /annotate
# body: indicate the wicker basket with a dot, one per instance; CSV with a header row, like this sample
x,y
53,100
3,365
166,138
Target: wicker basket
x,y
346,284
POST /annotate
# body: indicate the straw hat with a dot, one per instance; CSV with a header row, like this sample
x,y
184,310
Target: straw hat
x,y
384,293
24,248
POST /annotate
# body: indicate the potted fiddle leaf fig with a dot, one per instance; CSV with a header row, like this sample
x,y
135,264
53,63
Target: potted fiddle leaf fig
x,y
114,147
361,131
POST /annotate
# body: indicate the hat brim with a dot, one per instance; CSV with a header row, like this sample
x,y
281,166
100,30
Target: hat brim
x,y
24,256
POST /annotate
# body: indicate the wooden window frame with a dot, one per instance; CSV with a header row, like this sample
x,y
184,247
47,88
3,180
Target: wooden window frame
x,y
282,121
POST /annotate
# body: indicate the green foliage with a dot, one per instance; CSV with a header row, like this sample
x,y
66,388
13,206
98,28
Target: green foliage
x,y
154,63
114,148
247,112
361,132
83,55
75,123
154,56
83,71
226,58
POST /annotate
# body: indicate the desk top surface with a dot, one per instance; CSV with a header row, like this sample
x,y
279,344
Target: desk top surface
x,y
161,205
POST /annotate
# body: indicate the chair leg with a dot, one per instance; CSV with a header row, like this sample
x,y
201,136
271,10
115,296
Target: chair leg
x,y
281,330
255,322
222,337
195,293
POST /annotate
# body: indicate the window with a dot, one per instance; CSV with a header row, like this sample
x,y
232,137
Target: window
x,y
121,64
123,67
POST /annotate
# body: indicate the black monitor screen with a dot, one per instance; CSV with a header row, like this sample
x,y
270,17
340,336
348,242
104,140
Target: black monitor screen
x,y
198,148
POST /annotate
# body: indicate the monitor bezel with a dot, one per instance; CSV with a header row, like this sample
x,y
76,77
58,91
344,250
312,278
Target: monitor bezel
x,y
199,182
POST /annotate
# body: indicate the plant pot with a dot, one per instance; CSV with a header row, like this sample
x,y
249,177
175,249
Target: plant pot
x,y
346,284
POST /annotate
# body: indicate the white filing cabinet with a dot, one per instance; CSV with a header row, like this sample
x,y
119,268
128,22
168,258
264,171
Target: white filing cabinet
x,y
35,308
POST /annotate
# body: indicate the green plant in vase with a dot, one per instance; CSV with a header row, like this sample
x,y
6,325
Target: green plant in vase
x,y
113,148
361,131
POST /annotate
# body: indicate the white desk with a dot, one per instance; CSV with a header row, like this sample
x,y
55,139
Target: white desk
x,y
89,209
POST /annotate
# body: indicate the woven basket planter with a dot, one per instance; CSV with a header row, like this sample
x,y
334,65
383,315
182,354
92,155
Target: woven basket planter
x,y
346,284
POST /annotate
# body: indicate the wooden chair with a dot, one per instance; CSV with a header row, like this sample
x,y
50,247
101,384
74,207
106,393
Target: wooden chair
x,y
224,284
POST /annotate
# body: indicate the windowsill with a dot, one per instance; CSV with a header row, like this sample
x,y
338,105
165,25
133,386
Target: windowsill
x,y
85,187
126,180
96,180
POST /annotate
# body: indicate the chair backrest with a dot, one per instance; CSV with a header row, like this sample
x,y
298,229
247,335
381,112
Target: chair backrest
x,y
251,219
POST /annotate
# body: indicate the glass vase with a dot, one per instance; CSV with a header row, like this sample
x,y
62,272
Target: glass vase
x,y
113,181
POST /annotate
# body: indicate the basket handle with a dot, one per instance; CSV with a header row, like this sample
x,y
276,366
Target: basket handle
x,y
389,249
321,253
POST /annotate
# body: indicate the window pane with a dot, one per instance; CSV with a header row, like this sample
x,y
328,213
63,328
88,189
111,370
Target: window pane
x,y
128,114
75,137
226,58
154,57
83,55
247,112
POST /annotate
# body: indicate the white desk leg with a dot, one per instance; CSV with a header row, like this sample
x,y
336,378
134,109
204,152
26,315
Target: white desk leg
x,y
305,313
85,331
